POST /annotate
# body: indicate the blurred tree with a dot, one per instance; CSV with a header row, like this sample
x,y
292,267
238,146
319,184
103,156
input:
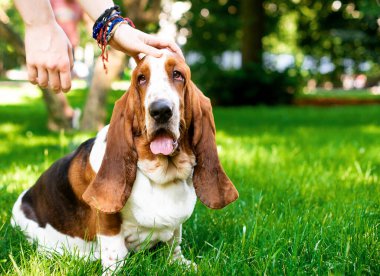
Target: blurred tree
x,y
338,30
214,27
218,27
252,16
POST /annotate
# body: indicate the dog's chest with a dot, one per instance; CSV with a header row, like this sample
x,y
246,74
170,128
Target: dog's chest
x,y
162,196
154,211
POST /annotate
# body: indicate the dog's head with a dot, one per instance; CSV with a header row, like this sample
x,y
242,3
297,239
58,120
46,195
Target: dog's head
x,y
162,114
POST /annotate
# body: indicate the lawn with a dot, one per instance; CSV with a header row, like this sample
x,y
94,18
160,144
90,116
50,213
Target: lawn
x,y
308,179
340,94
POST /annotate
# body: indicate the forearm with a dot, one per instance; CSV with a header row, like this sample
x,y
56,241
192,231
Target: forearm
x,y
94,8
36,12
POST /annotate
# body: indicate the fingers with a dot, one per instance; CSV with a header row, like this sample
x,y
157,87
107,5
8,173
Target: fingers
x,y
56,76
42,77
54,81
57,80
149,50
132,42
161,43
49,56
65,78
32,74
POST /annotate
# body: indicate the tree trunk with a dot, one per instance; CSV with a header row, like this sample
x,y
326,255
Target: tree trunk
x,y
57,119
56,116
95,108
142,13
253,31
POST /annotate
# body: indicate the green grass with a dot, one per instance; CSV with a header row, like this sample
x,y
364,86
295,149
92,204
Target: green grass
x,y
309,194
360,94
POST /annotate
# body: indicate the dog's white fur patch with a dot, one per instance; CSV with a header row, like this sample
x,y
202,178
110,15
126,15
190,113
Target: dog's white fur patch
x,y
160,87
159,203
98,149
155,211
48,238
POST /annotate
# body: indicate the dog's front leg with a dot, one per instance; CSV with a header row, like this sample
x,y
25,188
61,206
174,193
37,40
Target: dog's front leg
x,y
112,251
111,241
177,255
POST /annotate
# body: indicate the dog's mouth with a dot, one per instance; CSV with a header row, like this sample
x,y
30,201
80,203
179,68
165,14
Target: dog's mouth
x,y
163,143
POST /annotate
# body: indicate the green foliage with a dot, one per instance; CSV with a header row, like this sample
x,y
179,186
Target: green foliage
x,y
308,182
9,59
299,28
214,27
348,32
249,86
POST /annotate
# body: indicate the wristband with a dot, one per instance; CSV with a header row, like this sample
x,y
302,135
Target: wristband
x,y
105,27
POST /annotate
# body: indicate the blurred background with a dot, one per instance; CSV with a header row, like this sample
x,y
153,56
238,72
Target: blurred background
x,y
295,89
242,52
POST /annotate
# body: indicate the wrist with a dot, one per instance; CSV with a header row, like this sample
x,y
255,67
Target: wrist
x,y
41,27
35,13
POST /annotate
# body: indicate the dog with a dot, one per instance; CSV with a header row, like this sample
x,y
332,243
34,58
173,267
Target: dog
x,y
138,181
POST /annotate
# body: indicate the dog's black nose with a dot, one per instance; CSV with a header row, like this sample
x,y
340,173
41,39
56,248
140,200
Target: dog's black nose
x,y
160,111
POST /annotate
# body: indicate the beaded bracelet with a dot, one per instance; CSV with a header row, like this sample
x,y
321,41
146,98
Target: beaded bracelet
x,y
105,27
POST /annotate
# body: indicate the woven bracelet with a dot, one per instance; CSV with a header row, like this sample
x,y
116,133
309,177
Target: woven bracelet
x,y
104,28
104,17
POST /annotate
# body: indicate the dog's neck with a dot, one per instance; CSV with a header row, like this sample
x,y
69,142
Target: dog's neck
x,y
162,169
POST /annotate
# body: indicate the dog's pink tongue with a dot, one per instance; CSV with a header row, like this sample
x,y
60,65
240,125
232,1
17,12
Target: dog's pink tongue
x,y
163,145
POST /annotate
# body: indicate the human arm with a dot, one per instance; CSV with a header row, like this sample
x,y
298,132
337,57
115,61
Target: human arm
x,y
127,39
48,51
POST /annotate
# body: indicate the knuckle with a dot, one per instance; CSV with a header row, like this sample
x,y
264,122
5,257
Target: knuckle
x,y
63,67
51,66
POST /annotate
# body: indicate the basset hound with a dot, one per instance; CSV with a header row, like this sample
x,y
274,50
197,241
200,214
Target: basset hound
x,y
137,182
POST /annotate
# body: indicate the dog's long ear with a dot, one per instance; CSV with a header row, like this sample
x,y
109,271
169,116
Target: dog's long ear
x,y
212,185
112,185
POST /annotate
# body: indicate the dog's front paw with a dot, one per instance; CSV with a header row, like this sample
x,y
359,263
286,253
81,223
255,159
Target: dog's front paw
x,y
113,259
113,252
180,259
185,262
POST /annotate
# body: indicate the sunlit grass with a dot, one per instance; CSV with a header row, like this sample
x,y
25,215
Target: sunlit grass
x,y
356,94
18,92
309,194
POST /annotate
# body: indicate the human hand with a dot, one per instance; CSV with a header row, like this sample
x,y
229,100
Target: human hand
x,y
133,42
49,56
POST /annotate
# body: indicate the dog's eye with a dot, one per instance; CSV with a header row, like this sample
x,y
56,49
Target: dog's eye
x,y
141,79
178,76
